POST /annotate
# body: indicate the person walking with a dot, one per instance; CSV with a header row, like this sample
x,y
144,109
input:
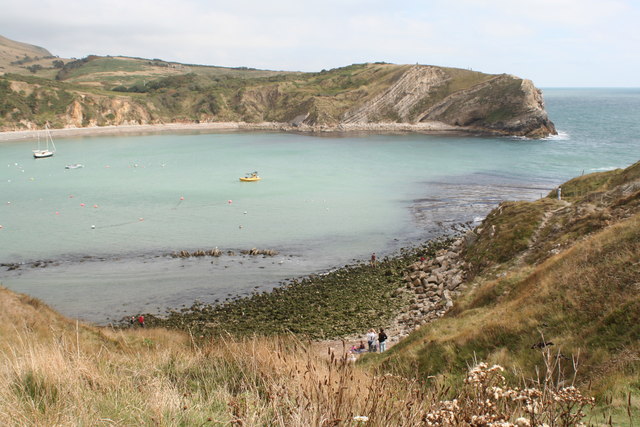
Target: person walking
x,y
382,339
373,259
371,340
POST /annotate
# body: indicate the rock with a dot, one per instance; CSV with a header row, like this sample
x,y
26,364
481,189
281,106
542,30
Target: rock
x,y
454,282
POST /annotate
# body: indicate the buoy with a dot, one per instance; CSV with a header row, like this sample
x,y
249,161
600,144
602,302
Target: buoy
x,y
230,201
57,213
0,226
71,196
245,212
240,226
140,219
82,204
93,226
181,198
95,206
8,203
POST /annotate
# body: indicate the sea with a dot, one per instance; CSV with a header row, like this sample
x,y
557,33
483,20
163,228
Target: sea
x,y
96,242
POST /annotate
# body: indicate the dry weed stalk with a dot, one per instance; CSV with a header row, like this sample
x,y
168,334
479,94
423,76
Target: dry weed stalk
x,y
153,377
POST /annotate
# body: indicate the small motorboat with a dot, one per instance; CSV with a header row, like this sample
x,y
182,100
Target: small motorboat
x,y
74,166
251,177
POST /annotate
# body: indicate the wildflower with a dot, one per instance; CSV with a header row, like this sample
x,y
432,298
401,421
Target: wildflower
x,y
361,418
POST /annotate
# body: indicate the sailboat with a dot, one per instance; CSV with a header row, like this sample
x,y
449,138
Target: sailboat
x,y
48,151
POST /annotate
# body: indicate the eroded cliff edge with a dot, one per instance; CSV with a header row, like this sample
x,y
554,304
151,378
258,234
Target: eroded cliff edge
x,y
372,97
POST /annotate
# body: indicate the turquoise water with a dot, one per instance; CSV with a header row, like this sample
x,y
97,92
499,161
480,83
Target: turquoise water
x,y
323,201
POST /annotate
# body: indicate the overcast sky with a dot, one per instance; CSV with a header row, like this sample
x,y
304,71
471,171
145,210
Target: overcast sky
x,y
553,42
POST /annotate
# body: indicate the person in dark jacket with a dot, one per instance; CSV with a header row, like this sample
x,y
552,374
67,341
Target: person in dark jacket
x,y
382,339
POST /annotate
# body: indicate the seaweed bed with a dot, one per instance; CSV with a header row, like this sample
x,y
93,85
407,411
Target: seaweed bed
x,y
344,301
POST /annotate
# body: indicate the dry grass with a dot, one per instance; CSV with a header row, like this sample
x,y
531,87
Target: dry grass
x,y
156,377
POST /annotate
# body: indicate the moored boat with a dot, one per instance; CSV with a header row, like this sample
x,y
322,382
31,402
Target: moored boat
x,y
251,177
47,151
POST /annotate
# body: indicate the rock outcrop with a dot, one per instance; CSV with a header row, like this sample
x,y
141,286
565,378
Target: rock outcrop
x,y
502,104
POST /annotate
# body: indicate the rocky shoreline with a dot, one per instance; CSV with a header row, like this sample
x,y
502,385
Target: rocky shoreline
x,y
399,294
430,286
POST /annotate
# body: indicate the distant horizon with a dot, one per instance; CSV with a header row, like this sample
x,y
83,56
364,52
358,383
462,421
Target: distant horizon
x,y
554,43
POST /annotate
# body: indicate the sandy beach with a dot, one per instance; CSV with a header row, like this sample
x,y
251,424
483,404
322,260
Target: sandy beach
x,y
426,127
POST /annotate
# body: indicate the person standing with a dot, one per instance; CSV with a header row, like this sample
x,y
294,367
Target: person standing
x,y
373,259
382,339
141,320
371,340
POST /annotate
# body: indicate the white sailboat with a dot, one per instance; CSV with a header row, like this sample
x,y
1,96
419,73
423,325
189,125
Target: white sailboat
x,y
49,150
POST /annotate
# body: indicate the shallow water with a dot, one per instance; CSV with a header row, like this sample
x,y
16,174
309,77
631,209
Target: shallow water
x,y
323,201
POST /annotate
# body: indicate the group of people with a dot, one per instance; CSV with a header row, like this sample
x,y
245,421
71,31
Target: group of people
x,y
375,340
137,320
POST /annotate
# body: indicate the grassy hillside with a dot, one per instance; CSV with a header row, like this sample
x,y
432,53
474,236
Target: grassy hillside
x,y
560,272
57,372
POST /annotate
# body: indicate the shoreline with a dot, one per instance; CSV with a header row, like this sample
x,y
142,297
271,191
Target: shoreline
x,y
432,128
341,304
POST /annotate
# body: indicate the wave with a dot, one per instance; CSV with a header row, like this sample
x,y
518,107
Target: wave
x,y
561,136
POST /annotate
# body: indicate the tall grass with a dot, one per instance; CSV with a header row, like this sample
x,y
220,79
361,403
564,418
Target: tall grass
x,y
157,377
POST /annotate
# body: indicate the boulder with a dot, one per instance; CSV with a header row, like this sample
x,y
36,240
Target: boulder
x,y
454,282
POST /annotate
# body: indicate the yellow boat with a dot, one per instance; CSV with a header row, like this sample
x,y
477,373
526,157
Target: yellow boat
x,y
251,177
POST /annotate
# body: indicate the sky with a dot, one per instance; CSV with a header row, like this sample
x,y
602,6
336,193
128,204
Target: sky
x,y
555,43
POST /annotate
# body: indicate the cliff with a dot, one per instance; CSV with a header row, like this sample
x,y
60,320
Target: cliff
x,y
99,91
